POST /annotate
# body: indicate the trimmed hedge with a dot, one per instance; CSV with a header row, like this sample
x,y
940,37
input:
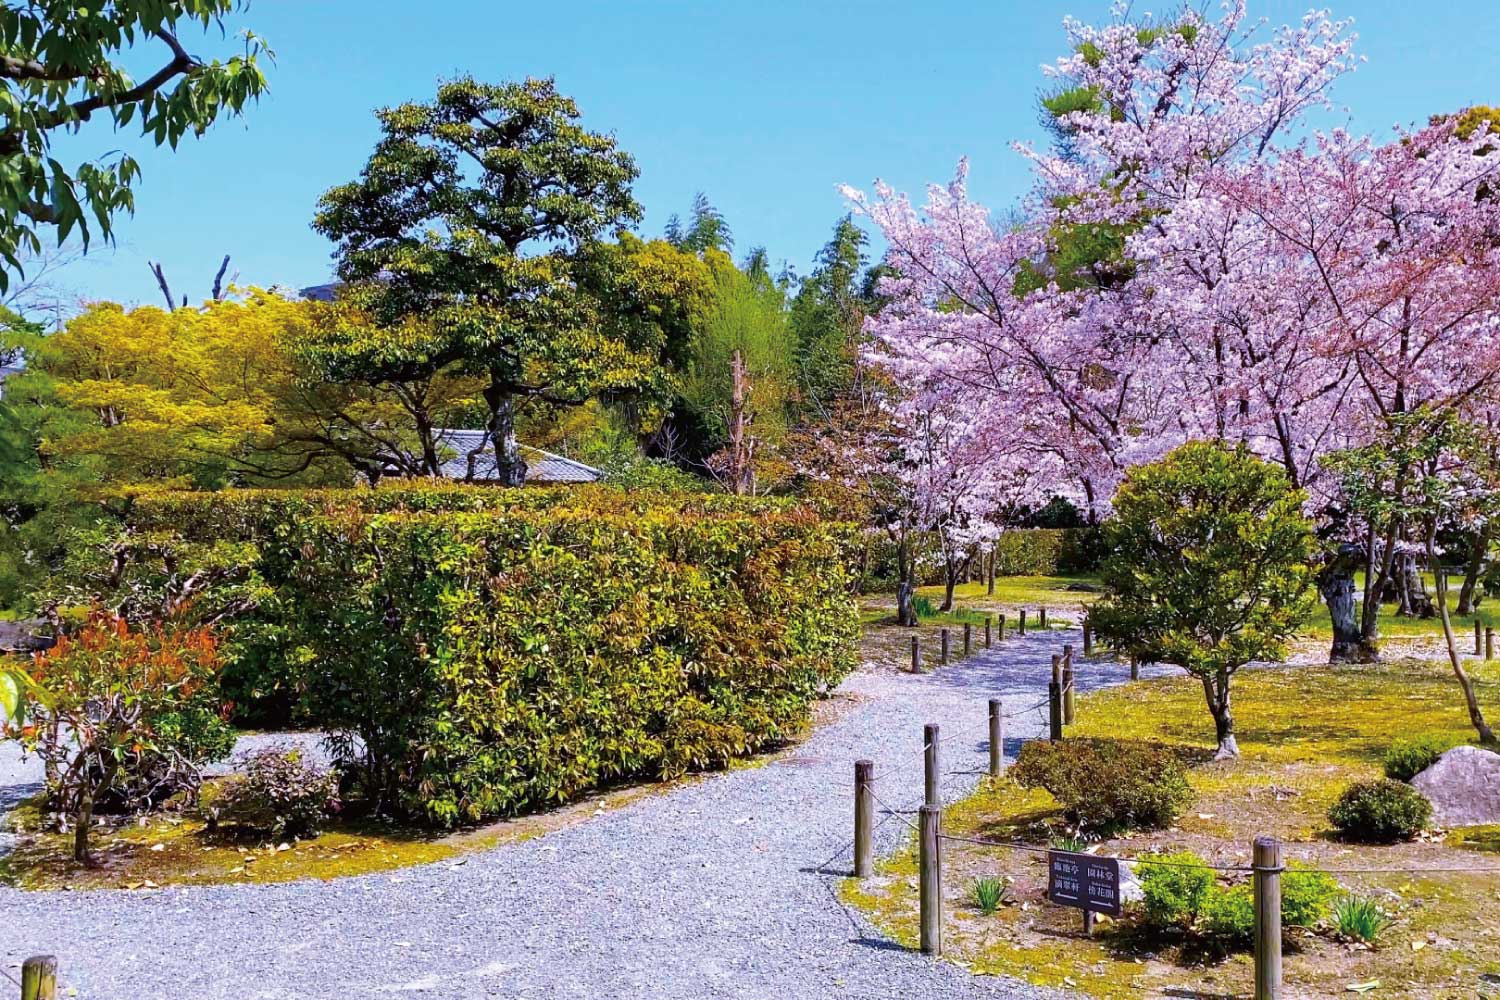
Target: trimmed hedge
x,y
1019,552
497,650
1107,785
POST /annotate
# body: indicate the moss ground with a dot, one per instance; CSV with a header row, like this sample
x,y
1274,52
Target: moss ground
x,y
1304,733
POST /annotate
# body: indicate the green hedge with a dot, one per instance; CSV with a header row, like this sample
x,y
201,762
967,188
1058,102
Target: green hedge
x,y
495,650
1020,552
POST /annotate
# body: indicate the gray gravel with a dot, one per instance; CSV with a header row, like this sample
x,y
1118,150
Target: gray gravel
x,y
722,888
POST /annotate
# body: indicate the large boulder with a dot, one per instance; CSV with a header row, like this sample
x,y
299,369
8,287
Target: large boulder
x,y
1463,786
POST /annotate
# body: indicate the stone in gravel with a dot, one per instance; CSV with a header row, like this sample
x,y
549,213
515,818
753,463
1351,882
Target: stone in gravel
x,y
1463,786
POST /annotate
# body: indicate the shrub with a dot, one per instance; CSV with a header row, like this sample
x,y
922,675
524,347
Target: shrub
x,y
279,794
1229,914
1380,812
1407,758
494,650
988,893
1360,918
1107,785
122,712
1306,895
1174,889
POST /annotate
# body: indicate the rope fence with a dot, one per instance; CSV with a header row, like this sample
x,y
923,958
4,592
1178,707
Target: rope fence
x,y
1265,870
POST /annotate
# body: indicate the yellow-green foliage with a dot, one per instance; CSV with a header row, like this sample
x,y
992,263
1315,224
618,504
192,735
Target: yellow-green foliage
x,y
497,650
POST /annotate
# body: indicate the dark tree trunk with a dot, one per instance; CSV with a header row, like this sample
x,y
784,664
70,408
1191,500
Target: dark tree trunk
x,y
1376,582
1415,602
1468,594
952,570
906,587
510,470
990,587
1336,584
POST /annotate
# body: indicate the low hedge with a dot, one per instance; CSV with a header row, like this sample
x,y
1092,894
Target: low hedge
x,y
1018,552
496,650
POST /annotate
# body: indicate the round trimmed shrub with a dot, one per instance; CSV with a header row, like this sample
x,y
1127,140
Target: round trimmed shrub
x,y
280,794
1380,812
1405,759
1107,785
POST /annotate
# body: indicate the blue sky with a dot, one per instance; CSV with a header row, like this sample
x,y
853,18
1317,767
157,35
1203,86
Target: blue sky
x,y
766,107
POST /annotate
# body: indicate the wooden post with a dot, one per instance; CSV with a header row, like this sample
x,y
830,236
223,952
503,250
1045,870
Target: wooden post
x,y
1021,623
916,656
1267,918
997,738
989,631
990,587
1000,629
1489,643
39,978
968,638
1088,635
1054,701
943,656
864,819
1135,667
1478,636
931,774
1041,618
930,879
1067,685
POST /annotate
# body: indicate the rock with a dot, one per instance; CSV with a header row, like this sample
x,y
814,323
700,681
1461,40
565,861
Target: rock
x,y
1463,786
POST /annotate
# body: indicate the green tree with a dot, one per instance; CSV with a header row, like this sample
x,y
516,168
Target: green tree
x,y
62,64
1425,469
464,239
828,313
746,319
1209,568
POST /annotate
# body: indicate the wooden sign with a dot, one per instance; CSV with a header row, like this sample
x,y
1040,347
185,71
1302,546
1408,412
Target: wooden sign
x,y
1083,881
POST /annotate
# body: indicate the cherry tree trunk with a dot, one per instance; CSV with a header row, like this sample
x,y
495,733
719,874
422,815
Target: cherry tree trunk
x,y
510,469
1469,595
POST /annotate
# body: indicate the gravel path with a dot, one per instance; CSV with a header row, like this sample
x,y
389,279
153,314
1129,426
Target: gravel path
x,y
722,888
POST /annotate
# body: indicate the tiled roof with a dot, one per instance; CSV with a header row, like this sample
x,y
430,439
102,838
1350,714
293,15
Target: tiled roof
x,y
541,466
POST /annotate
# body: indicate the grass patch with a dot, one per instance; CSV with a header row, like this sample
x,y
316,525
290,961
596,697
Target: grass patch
x,y
1304,733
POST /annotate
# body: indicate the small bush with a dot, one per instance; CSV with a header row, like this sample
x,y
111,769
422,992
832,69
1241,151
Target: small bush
x,y
1174,889
1306,895
1405,759
1107,785
1229,914
123,716
988,893
1360,918
279,794
1380,812
923,606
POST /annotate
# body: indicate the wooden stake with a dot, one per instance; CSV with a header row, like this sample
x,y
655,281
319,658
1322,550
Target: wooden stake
x,y
1067,685
1041,618
1088,635
1054,701
968,638
1267,891
943,658
931,774
1478,636
39,978
1021,623
997,738
1135,668
1000,629
930,880
1489,643
989,631
864,818
916,656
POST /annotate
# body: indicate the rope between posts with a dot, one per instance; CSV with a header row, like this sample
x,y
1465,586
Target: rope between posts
x,y
13,979
893,811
